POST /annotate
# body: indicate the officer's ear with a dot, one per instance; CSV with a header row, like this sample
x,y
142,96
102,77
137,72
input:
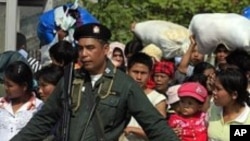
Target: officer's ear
x,y
106,48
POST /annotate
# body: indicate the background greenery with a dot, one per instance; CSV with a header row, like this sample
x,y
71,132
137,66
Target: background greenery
x,y
119,14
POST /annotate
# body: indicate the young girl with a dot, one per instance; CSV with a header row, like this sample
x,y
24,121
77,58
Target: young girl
x,y
20,102
190,119
47,79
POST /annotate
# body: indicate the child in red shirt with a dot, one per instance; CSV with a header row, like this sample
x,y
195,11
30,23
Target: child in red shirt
x,y
191,120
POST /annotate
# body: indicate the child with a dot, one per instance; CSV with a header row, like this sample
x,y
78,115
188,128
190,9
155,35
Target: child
x,y
191,119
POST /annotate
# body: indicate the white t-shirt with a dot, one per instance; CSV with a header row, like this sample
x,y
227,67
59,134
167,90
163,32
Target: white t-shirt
x,y
94,78
155,98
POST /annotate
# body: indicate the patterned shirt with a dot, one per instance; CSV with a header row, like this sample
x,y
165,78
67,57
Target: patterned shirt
x,y
11,123
193,128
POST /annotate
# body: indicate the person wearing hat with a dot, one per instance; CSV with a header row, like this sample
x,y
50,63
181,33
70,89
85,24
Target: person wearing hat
x,y
173,100
163,72
117,56
191,119
108,97
220,53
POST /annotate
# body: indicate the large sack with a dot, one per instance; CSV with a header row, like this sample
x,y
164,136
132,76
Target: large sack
x,y
213,29
49,21
171,38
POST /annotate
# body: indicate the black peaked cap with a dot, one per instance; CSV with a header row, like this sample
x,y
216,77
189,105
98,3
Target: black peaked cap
x,y
92,30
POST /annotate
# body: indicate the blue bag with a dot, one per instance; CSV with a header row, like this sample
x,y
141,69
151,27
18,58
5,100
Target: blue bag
x,y
46,29
246,12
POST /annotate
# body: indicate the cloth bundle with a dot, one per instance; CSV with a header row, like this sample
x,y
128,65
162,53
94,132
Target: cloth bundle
x,y
171,38
212,29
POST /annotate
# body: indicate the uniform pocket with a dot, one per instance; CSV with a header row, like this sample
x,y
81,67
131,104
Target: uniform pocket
x,y
108,109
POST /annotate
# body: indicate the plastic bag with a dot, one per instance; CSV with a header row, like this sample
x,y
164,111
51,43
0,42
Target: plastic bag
x,y
45,57
171,38
246,12
49,20
230,29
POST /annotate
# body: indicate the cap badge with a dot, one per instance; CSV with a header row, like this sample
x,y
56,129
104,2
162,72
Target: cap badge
x,y
96,29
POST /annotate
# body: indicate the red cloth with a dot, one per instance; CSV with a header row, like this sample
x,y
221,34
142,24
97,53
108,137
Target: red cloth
x,y
193,128
164,66
150,83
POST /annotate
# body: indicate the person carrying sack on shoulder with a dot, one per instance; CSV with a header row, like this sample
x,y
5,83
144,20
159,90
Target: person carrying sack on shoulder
x,y
106,102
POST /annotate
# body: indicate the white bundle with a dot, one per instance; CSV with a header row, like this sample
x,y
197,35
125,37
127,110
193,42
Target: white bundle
x,y
171,38
230,29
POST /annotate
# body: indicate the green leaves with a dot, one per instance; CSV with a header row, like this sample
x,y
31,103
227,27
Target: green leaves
x,y
119,14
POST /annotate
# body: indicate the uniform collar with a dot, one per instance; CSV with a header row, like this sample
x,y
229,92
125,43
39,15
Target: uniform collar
x,y
108,72
110,69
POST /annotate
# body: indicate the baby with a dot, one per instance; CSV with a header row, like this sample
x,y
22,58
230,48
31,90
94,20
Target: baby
x,y
190,119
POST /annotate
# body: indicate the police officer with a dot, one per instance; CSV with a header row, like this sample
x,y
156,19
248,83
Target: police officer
x,y
116,95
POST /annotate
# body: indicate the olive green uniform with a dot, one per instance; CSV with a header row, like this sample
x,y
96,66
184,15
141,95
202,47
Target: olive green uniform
x,y
126,98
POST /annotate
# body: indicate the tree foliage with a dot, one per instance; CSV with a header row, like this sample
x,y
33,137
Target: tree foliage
x,y
119,14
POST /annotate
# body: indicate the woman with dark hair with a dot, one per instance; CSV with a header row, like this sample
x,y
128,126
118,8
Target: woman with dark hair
x,y
204,73
204,68
20,103
133,46
241,59
230,98
47,79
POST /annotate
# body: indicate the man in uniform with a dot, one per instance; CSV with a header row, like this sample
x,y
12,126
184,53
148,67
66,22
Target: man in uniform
x,y
116,95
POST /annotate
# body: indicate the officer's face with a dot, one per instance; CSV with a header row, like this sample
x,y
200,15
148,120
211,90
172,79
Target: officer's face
x,y
92,54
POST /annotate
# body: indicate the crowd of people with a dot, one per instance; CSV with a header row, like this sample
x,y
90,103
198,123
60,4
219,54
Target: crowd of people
x,y
123,91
